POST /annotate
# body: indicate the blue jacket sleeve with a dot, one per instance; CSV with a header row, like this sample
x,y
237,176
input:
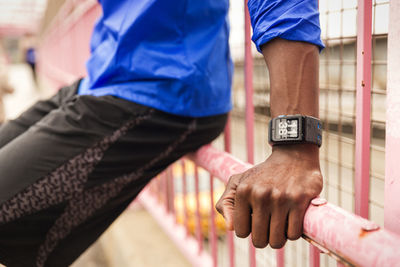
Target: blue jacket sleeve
x,y
295,20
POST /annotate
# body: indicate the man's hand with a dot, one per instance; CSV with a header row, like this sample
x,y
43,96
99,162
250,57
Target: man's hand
x,y
269,200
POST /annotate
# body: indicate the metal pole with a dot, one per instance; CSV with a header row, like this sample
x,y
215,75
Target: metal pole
x,y
199,234
184,197
363,123
392,170
213,230
314,256
227,148
248,80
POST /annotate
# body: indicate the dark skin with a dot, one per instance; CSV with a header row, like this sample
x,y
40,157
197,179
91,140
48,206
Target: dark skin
x,y
269,200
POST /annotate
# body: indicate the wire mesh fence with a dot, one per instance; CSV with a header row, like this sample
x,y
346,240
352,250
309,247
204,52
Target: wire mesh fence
x,y
188,193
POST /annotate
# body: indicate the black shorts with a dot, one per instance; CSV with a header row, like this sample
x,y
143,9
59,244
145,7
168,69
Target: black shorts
x,y
71,164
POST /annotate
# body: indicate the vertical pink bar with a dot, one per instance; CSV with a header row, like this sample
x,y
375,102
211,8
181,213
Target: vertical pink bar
x,y
171,191
165,189
160,189
198,218
314,256
363,124
392,168
280,257
227,147
213,233
227,135
168,189
184,200
248,83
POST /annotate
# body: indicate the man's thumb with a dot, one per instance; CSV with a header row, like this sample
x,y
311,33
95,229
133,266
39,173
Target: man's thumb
x,y
225,206
226,203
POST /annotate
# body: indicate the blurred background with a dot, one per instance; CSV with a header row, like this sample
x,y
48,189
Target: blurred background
x,y
44,45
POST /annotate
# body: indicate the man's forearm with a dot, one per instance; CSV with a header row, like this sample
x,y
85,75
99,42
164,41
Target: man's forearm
x,y
293,71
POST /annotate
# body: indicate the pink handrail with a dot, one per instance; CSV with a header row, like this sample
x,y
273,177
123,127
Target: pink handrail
x,y
354,240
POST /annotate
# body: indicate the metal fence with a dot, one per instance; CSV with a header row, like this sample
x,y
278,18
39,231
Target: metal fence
x,y
182,198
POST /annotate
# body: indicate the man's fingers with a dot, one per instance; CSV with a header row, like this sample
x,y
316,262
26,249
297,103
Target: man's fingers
x,y
278,224
260,226
295,222
242,211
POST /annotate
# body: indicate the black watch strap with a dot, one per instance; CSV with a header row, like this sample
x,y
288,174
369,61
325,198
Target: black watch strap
x,y
295,129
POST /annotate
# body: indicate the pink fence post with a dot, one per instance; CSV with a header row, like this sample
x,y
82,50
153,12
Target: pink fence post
x,y
363,124
280,257
56,68
213,232
188,245
171,190
158,188
165,190
248,80
227,135
184,197
392,168
227,148
314,256
198,214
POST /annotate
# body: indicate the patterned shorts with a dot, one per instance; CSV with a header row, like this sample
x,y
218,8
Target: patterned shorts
x,y
71,164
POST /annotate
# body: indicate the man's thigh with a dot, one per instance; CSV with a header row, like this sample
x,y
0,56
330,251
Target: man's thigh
x,y
66,178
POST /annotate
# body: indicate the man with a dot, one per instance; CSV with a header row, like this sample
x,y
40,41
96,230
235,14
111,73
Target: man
x,y
30,59
158,87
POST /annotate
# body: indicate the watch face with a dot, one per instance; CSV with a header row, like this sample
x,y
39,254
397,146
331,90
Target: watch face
x,y
287,128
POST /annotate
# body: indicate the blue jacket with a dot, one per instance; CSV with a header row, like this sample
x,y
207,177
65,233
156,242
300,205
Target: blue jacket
x,y
174,55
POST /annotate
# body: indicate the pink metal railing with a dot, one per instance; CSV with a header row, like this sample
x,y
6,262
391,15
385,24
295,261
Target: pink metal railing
x,y
354,240
347,238
392,183
248,82
69,32
227,148
363,121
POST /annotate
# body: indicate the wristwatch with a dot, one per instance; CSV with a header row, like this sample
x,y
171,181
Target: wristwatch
x,y
295,129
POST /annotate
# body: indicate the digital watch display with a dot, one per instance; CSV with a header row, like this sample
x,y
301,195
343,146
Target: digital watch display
x,y
295,129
